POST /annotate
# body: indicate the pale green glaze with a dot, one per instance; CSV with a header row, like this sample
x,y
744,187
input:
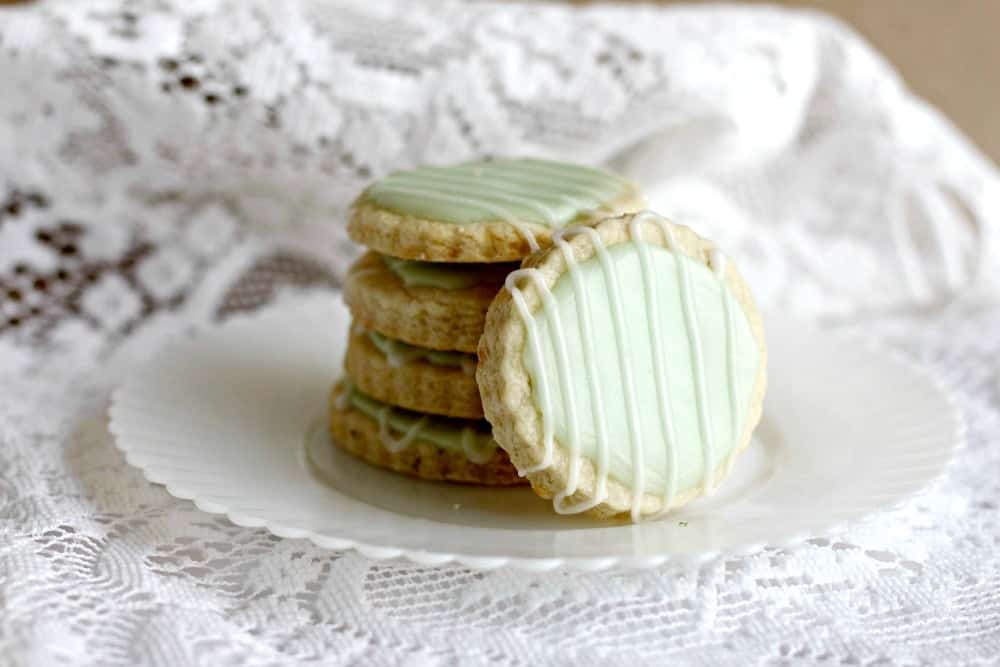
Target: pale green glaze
x,y
397,349
706,290
547,193
450,276
445,432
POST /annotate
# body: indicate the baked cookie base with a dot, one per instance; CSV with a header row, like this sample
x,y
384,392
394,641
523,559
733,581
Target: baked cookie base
x,y
433,317
358,434
415,385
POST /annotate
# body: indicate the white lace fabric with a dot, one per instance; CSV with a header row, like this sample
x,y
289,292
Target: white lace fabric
x,y
166,164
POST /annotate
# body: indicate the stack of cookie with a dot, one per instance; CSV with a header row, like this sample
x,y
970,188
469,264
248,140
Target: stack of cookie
x,y
441,242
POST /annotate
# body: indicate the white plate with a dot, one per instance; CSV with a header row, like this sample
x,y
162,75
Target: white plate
x,y
231,419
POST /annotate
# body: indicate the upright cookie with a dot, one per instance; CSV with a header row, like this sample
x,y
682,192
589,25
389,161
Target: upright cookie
x,y
623,369
484,211
438,306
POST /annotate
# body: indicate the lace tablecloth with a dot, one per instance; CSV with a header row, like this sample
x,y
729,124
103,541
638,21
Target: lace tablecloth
x,y
165,164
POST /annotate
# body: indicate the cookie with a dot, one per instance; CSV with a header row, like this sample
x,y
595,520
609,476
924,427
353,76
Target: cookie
x,y
623,369
415,378
431,448
442,307
483,211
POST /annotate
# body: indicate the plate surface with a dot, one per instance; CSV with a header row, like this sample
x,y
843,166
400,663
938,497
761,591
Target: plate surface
x,y
233,420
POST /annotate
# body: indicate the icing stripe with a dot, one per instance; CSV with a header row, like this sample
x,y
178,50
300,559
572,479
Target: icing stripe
x,y
562,369
659,362
395,445
452,434
518,173
718,261
499,212
697,360
515,185
534,349
494,194
516,179
397,353
561,170
585,324
614,291
514,191
473,451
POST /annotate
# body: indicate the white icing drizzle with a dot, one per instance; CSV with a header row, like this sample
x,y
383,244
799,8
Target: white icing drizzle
x,y
624,366
535,350
515,183
585,323
515,191
473,451
395,445
460,435
697,360
362,271
396,356
500,212
659,363
398,353
442,183
579,174
718,262
558,335
562,369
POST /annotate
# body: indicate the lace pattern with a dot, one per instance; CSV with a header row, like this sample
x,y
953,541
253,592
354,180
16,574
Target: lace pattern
x,y
167,165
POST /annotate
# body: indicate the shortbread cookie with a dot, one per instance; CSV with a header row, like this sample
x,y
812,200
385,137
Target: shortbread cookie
x,y
432,448
484,211
623,369
416,378
442,307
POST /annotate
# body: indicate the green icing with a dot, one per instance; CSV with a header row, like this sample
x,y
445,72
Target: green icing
x,y
450,276
548,193
708,304
445,432
399,352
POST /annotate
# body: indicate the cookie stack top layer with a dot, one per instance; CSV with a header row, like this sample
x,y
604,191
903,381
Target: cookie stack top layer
x,y
484,211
